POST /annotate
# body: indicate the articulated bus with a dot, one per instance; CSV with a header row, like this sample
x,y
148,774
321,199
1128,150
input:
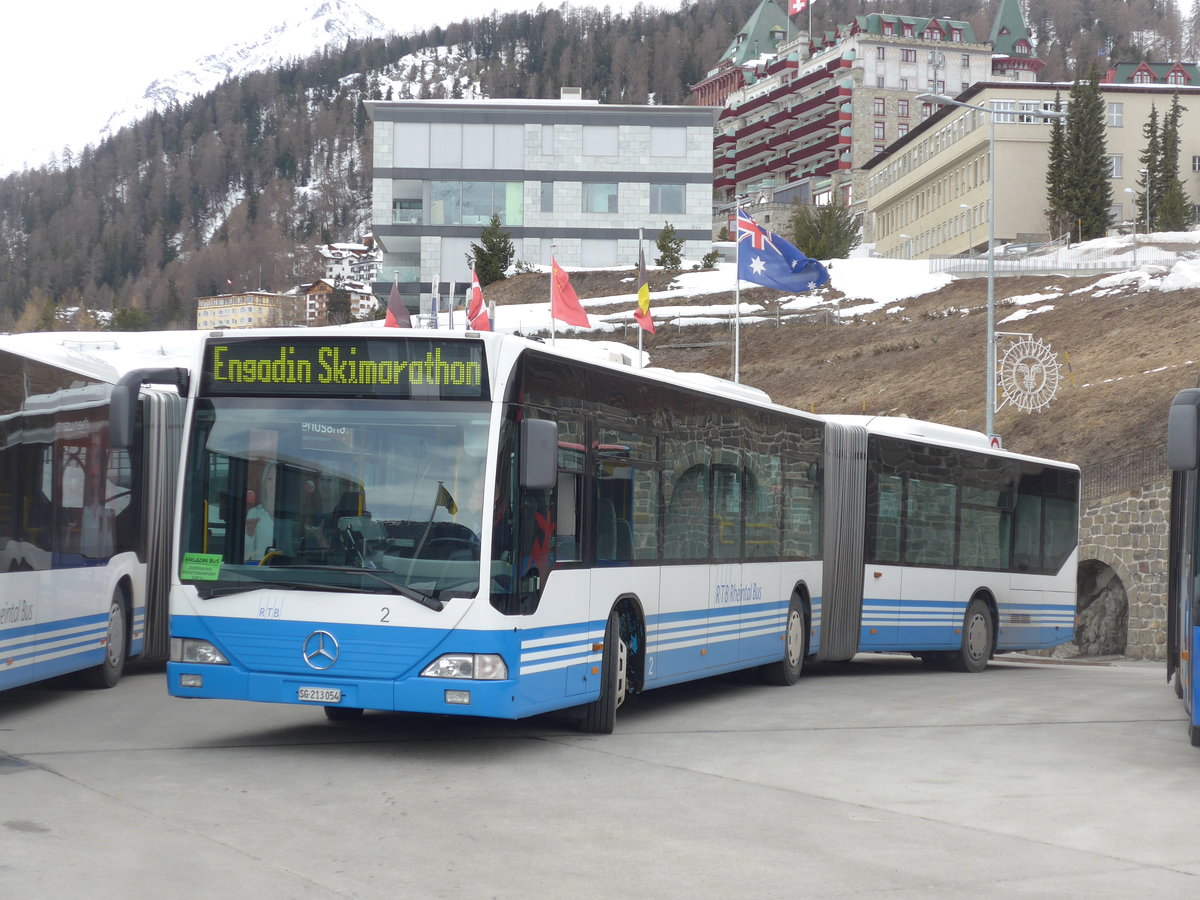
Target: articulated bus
x,y
84,524
1183,576
483,525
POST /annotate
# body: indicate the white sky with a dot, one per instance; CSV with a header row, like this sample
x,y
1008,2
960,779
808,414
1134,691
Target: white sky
x,y
66,67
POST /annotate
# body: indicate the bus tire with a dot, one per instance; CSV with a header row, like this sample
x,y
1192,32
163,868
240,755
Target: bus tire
x,y
108,673
787,670
600,716
978,637
343,713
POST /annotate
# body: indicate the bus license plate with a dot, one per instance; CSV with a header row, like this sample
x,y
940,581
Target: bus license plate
x,y
319,695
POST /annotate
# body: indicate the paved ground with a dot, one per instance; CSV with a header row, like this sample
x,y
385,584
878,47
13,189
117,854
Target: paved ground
x,y
873,779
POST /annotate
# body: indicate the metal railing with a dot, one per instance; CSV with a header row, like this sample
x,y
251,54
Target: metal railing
x,y
1055,263
1121,474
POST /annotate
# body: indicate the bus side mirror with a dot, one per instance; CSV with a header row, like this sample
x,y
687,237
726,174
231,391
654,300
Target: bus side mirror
x,y
121,411
539,454
123,401
1181,431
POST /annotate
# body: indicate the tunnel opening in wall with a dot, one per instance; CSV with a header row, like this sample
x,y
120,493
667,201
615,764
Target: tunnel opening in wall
x,y
1102,611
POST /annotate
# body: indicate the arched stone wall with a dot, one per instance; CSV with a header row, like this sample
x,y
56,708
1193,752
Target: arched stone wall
x,y
1127,532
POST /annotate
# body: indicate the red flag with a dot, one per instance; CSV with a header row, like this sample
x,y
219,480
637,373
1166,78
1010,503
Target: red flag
x,y
564,302
797,6
477,316
397,313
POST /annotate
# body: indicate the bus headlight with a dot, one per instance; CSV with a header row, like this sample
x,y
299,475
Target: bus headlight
x,y
192,650
477,666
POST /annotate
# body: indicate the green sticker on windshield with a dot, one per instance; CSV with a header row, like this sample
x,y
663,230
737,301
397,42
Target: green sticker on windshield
x,y
201,566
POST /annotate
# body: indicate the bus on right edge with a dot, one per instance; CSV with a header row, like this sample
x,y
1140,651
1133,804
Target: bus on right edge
x,y
1183,617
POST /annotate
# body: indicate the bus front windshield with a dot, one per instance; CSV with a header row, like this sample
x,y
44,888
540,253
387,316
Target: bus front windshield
x,y
346,495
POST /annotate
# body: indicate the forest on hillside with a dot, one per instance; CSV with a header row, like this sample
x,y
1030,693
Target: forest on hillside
x,y
234,187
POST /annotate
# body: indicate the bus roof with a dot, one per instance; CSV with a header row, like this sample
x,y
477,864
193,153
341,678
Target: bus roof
x,y
934,433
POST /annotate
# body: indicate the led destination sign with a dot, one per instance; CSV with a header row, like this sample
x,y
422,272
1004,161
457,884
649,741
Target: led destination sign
x,y
416,368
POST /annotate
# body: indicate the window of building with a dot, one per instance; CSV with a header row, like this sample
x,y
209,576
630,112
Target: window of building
x,y
406,212
668,141
1142,77
1115,165
666,198
902,108
880,131
547,204
908,54
956,35
1176,78
881,53
879,148
966,61
599,140
1116,115
1196,163
879,106
888,29
600,198
598,253
1004,111
902,130
880,81
908,32
904,84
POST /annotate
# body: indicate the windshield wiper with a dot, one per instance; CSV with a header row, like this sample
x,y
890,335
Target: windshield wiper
x,y
403,590
242,587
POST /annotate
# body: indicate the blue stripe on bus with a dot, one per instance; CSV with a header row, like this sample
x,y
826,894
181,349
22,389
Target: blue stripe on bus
x,y
550,668
936,624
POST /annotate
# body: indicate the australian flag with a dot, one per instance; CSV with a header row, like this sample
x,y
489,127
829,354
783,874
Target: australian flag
x,y
767,259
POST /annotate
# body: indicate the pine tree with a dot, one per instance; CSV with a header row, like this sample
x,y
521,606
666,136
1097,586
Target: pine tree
x,y
494,253
825,232
1058,221
1087,192
1172,210
670,248
1151,160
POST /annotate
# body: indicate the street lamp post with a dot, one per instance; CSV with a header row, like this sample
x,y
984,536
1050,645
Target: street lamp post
x,y
1149,188
970,231
1132,191
990,405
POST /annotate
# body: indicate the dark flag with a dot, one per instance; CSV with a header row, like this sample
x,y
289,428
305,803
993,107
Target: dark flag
x,y
397,313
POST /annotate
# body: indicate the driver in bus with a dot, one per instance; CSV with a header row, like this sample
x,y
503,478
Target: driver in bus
x,y
260,521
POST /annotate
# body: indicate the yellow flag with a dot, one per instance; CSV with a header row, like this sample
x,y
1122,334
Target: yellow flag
x,y
445,500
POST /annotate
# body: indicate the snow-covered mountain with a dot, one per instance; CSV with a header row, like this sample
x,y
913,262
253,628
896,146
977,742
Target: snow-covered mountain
x,y
329,23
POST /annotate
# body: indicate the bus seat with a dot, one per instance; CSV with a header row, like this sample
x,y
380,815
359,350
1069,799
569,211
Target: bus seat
x,y
606,530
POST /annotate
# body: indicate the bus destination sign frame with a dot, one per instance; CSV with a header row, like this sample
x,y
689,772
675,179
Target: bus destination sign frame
x,y
398,368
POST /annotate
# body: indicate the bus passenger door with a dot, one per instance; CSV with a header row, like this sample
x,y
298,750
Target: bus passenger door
x,y
727,593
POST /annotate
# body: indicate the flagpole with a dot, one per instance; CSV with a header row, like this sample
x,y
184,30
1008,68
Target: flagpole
x,y
552,263
450,322
639,287
737,293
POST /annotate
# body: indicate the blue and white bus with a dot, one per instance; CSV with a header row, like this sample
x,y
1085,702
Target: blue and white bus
x,y
84,524
1183,574
482,525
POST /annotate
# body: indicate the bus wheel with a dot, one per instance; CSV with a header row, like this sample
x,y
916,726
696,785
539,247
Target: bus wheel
x,y
600,716
108,673
343,713
787,670
977,639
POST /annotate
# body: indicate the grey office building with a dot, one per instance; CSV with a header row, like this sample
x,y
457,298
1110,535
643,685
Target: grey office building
x,y
570,177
